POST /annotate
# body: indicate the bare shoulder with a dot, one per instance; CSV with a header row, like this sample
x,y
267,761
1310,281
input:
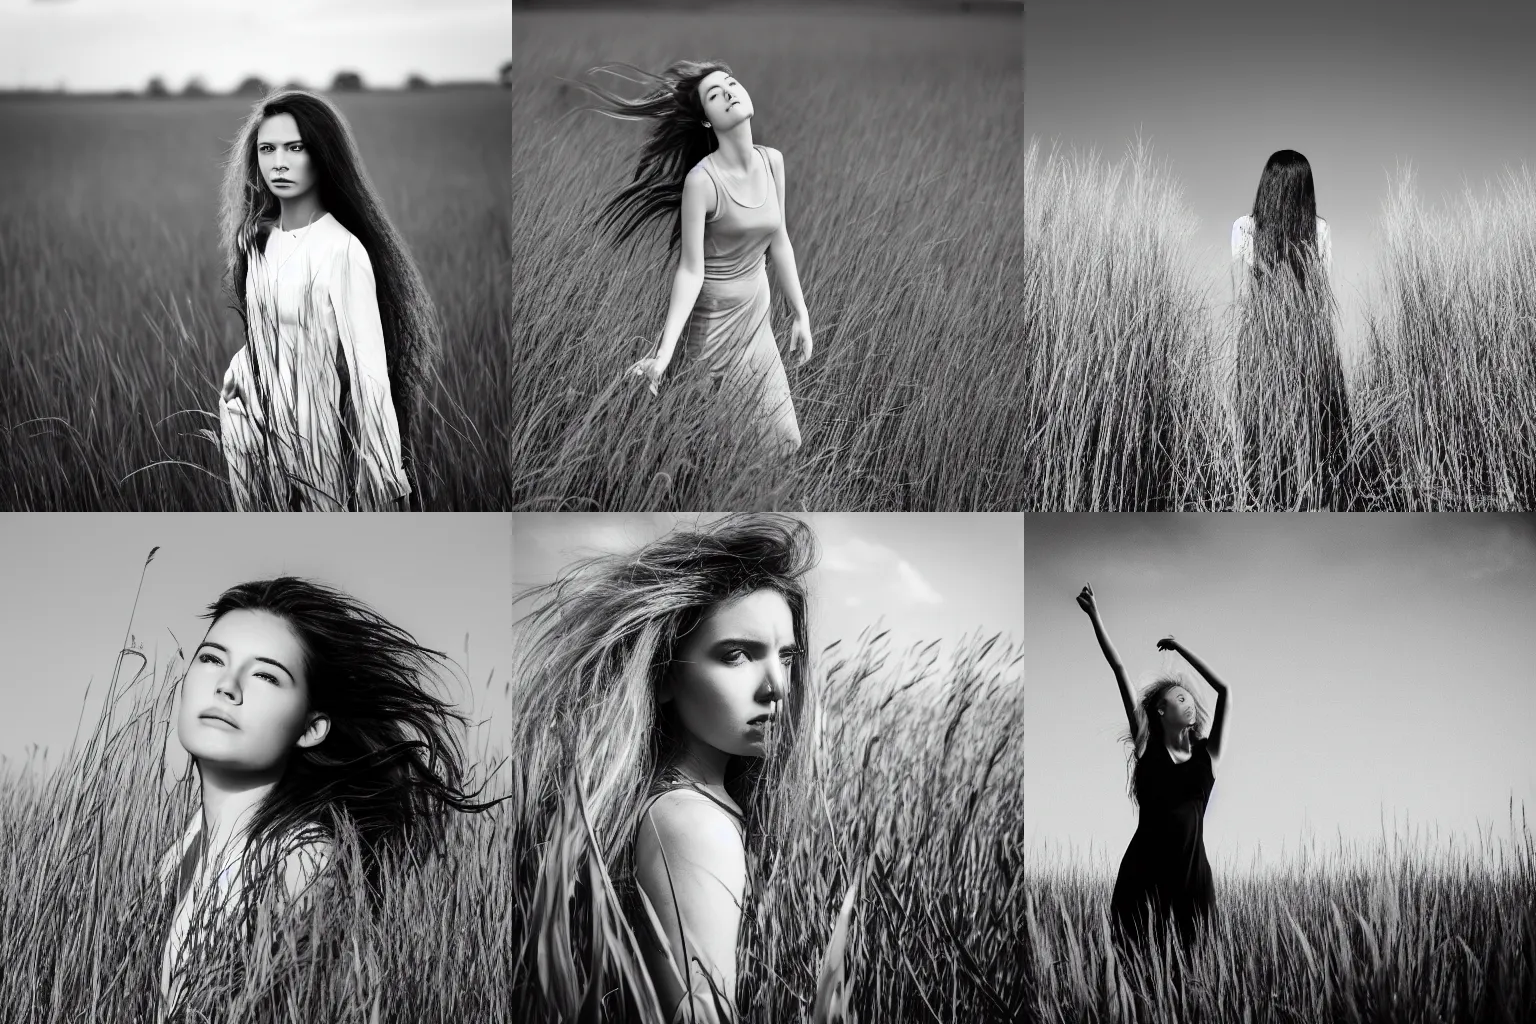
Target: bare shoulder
x,y
687,827
775,158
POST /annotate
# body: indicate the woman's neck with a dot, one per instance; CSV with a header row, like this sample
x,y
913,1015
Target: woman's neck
x,y
735,150
300,211
230,799
703,763
1177,739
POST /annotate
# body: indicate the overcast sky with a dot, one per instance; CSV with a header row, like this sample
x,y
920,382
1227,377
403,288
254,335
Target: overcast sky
x,y
1357,86
98,45
70,582
1379,665
926,576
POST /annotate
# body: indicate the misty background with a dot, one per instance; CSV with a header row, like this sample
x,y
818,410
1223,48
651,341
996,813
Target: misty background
x,y
1379,666
1359,88
118,45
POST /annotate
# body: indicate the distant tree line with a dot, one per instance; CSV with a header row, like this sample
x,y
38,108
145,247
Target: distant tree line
x,y
256,86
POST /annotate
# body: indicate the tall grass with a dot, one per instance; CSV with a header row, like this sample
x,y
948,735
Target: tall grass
x,y
896,894
1141,398
900,139
1401,932
895,891
115,326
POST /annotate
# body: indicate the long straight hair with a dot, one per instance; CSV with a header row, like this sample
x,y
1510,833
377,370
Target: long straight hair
x,y
390,768
1285,216
678,139
606,634
249,210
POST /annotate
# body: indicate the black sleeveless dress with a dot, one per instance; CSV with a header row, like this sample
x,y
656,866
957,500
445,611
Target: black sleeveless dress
x,y
1165,863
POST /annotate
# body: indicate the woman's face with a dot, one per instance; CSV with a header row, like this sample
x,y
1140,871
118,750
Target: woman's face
x,y
1178,708
284,159
245,701
726,103
731,673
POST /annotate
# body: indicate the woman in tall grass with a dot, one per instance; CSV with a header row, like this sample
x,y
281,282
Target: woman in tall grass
x,y
724,197
309,721
1292,401
1164,875
671,684
318,409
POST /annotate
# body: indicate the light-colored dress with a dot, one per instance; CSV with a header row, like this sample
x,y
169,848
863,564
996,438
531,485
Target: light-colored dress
x,y
197,875
1242,241
317,428
728,332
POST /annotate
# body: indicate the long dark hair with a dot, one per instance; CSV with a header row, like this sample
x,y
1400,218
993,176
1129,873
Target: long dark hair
x,y
1285,215
677,140
1149,730
249,210
389,769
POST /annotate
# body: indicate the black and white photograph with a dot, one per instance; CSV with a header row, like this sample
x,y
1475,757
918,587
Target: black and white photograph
x,y
1278,256
1277,767
253,257
249,772
768,767
766,256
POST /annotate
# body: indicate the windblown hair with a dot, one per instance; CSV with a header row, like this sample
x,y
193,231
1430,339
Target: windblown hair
x,y
1285,216
676,142
1149,729
249,210
607,632
390,768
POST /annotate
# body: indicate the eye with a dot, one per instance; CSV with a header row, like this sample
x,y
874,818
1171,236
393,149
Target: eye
x,y
209,659
268,676
789,655
735,656
297,147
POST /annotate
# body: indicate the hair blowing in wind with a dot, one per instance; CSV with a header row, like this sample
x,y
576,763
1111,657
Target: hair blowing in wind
x,y
677,139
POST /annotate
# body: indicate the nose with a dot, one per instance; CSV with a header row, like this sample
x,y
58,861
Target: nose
x,y
775,681
228,685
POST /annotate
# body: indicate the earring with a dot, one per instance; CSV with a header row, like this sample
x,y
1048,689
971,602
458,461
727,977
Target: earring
x,y
707,125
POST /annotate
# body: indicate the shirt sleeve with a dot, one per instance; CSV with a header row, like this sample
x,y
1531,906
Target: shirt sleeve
x,y
355,303
1242,239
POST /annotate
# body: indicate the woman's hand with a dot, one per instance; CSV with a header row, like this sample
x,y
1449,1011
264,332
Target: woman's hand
x,y
651,368
1085,599
1168,643
800,345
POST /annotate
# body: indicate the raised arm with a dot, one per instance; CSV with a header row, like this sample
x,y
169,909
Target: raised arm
x,y
691,867
1086,601
1219,717
698,196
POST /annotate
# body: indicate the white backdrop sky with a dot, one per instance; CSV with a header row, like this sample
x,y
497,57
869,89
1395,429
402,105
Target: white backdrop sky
x,y
70,582
1379,664
100,45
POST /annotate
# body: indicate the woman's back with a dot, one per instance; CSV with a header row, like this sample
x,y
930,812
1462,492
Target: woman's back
x,y
1242,240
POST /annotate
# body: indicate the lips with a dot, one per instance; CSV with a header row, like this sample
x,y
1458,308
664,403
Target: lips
x,y
219,716
281,181
760,720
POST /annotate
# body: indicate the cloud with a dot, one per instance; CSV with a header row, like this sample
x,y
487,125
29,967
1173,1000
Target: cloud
x,y
879,568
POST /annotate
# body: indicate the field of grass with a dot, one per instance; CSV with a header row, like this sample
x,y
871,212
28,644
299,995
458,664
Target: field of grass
x,y
115,328
900,135
915,794
1138,398
1398,934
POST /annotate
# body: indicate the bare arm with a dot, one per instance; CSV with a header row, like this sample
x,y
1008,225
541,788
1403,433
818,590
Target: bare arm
x,y
698,194
1219,718
785,270
1089,604
691,867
